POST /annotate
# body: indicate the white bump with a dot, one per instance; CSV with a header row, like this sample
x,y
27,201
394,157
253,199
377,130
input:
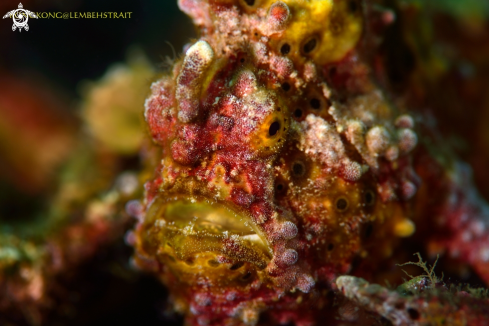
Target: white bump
x,y
305,283
407,140
288,230
289,257
377,140
203,50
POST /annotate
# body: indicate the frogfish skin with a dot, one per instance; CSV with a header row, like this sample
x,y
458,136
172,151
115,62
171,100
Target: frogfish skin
x,y
284,165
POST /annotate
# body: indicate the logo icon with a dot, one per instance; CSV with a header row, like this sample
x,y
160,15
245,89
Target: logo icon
x,y
20,17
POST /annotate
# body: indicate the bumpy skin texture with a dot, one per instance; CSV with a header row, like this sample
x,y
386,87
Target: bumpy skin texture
x,y
284,166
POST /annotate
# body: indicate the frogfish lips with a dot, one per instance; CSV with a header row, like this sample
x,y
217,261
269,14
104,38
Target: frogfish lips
x,y
200,238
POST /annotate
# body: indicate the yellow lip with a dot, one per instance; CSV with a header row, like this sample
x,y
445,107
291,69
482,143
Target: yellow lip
x,y
193,235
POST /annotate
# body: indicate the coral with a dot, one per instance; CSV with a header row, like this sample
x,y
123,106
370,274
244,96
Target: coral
x,y
283,166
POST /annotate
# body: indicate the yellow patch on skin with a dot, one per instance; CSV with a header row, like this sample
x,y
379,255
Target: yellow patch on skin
x,y
271,134
336,27
270,131
211,73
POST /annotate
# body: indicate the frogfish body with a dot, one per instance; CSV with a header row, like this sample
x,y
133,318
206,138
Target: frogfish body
x,y
283,166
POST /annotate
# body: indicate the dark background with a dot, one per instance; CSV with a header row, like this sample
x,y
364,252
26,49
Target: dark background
x,y
69,50
65,52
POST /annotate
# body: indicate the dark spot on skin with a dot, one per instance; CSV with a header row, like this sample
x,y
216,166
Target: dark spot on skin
x,y
285,49
315,103
298,169
330,246
280,188
413,313
341,204
250,2
369,198
236,266
298,113
242,60
213,263
353,6
286,87
274,128
310,45
246,276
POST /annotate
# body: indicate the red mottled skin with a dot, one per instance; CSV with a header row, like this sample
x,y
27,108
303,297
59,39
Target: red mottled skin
x,y
285,166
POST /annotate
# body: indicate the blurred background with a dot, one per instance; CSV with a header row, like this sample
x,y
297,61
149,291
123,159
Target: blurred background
x,y
47,87
66,51
47,68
